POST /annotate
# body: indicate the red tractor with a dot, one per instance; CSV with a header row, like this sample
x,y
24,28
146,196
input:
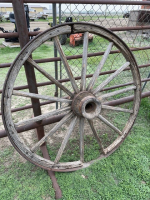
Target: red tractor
x,y
75,39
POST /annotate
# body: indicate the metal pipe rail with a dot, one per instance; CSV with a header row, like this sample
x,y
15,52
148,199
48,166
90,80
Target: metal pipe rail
x,y
128,28
50,102
57,118
79,56
23,35
5,65
116,2
76,78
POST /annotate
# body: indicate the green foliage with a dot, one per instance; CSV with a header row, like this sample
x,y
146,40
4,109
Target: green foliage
x,y
124,175
23,180
145,105
8,54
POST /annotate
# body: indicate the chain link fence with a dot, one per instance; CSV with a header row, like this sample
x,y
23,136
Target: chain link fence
x,y
109,16
117,18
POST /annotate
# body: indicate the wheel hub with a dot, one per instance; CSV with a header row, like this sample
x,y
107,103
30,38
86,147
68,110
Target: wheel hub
x,y
86,105
80,134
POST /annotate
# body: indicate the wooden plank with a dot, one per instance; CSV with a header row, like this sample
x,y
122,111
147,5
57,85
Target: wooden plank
x,y
109,124
53,80
110,94
11,44
116,109
44,116
67,165
99,68
65,140
114,144
52,131
66,65
111,77
84,62
37,96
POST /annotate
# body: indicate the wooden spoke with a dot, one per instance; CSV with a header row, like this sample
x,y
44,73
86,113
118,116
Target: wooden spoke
x,y
111,77
66,138
84,62
117,92
95,135
109,124
44,116
81,130
52,131
66,65
47,75
101,64
116,109
83,102
37,96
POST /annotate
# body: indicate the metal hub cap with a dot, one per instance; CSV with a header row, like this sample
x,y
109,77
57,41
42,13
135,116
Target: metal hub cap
x,y
86,105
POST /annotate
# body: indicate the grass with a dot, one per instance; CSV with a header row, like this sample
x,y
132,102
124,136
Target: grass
x,y
88,18
24,181
124,175
8,55
78,17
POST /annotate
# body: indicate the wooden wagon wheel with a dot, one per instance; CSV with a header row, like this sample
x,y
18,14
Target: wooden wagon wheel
x,y
85,103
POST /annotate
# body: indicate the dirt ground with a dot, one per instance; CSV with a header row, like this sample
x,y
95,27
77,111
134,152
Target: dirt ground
x,y
44,25
4,142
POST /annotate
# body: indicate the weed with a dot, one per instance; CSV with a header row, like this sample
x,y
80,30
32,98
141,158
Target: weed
x,y
124,175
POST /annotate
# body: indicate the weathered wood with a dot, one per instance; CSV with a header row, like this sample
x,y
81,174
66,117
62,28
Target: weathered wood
x,y
110,94
81,131
34,64
99,68
111,77
116,109
65,140
44,116
66,65
109,124
84,61
114,144
14,71
67,165
37,96
95,135
52,131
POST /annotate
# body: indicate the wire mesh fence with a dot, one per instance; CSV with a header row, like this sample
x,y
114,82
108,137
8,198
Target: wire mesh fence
x,y
110,16
110,124
62,137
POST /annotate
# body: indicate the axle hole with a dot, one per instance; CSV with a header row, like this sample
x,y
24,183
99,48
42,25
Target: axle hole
x,y
90,107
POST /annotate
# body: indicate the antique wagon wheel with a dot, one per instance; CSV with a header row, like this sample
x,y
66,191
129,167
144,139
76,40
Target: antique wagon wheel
x,y
85,103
